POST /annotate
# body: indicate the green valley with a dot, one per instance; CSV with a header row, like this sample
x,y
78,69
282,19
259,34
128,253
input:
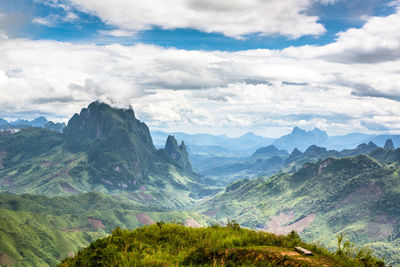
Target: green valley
x,y
40,231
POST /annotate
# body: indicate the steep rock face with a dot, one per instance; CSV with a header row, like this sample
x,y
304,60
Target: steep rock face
x,y
389,144
57,127
119,146
178,154
301,139
99,120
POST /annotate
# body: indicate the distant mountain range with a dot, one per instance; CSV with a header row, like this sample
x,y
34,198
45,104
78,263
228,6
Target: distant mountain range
x,y
103,170
220,145
246,145
40,122
270,160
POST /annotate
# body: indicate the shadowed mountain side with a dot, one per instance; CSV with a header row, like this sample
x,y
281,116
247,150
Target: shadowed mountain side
x,y
102,149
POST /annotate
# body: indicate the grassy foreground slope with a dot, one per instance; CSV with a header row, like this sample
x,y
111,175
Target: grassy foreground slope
x,y
175,245
356,196
40,231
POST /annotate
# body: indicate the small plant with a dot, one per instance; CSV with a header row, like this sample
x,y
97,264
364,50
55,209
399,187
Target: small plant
x,y
350,251
233,225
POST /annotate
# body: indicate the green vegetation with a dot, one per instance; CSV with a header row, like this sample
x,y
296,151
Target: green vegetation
x,y
102,149
109,151
358,196
40,231
165,244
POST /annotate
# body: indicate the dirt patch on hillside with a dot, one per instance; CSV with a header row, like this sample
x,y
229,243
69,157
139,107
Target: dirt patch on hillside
x,y
5,259
70,254
146,196
68,188
277,223
370,192
47,164
143,188
143,218
96,223
3,155
192,223
323,165
382,227
210,213
133,196
6,182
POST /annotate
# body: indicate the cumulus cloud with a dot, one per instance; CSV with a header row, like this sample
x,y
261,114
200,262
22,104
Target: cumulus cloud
x,y
117,33
263,90
377,41
235,18
52,20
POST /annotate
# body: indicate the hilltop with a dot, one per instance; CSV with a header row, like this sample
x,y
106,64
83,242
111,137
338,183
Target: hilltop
x,y
175,245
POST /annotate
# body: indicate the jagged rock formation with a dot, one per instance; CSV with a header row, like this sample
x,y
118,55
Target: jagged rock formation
x,y
103,149
301,139
57,127
389,144
178,154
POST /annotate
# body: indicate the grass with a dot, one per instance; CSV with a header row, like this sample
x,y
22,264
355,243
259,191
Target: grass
x,y
41,231
166,244
350,195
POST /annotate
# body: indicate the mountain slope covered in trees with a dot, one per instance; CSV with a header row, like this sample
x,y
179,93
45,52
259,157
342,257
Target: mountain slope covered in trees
x,y
357,196
102,149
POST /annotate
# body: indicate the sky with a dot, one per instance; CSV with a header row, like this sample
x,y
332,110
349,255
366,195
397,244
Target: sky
x,y
206,66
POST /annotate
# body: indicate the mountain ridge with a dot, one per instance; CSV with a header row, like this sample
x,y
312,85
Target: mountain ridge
x,y
102,149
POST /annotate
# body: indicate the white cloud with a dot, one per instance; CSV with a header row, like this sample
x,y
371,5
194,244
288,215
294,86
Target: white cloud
x,y
43,21
53,20
118,33
234,18
377,41
261,90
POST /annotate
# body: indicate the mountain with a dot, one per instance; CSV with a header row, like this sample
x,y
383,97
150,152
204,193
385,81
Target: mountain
x,y
357,196
270,160
193,139
178,154
301,139
21,122
102,149
41,231
269,151
347,141
240,146
38,122
388,144
57,127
